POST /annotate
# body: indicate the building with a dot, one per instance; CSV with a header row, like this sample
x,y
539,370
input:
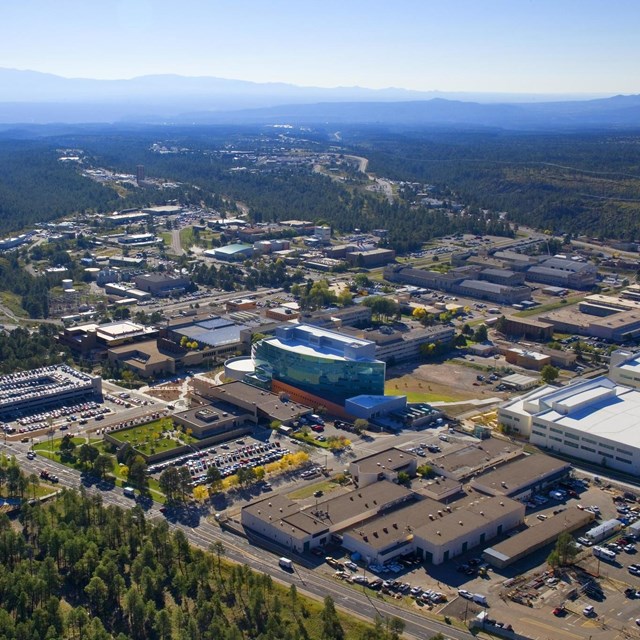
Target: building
x,y
371,407
618,327
355,315
527,359
528,328
533,538
393,346
370,258
97,338
463,281
593,420
264,407
316,366
520,478
216,422
30,391
434,533
220,337
468,461
282,521
561,272
162,284
139,239
385,465
231,252
126,290
323,234
470,525
519,382
624,368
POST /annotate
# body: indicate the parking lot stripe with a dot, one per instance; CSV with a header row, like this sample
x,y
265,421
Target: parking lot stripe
x,y
551,628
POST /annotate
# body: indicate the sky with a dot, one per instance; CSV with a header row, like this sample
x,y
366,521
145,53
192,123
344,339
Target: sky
x,y
512,46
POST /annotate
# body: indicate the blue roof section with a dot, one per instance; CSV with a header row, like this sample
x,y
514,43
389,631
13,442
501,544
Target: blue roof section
x,y
227,334
370,402
234,248
214,323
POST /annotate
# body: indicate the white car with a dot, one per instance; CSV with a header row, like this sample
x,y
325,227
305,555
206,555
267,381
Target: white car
x,y
351,565
465,594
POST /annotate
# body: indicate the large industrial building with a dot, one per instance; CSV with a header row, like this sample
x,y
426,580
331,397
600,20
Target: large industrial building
x,y
562,272
593,420
472,281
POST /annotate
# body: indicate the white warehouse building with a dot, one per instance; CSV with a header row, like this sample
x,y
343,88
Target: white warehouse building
x,y
594,420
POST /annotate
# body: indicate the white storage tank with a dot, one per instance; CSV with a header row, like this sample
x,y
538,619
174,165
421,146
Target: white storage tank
x,y
67,284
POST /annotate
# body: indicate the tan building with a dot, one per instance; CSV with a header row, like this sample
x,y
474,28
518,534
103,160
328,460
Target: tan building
x,y
385,465
527,359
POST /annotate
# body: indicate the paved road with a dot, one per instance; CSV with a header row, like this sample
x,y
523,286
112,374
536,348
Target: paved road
x,y
176,243
203,534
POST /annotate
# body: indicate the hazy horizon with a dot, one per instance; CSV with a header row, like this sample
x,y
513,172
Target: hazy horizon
x,y
577,47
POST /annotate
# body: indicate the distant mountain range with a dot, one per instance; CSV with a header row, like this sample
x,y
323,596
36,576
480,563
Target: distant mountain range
x,y
30,97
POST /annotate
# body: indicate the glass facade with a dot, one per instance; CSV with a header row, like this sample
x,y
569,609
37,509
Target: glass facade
x,y
335,379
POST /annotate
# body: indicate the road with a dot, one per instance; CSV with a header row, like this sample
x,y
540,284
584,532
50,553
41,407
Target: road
x,y
203,534
176,243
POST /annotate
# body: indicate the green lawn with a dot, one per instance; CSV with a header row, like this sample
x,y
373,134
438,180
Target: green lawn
x,y
52,452
149,439
416,396
552,306
186,238
306,492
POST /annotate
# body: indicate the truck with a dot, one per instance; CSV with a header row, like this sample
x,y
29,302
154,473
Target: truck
x,y
604,554
129,492
285,564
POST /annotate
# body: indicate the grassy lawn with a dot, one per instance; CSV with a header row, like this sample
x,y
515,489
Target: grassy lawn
x,y
44,449
13,302
306,492
148,438
390,388
310,440
552,306
186,238
166,237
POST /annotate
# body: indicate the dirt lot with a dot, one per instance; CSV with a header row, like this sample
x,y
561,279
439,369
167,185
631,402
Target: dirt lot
x,y
167,392
446,382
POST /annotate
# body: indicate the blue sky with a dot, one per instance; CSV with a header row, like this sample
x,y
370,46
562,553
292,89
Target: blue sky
x,y
515,46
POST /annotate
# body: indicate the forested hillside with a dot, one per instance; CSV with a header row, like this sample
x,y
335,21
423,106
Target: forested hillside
x,y
77,569
567,183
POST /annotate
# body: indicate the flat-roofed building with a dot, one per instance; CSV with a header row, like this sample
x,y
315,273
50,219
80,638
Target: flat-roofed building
x,y
463,463
218,420
624,368
470,525
562,272
370,258
520,478
533,538
281,520
528,328
527,359
433,532
593,420
162,284
385,465
263,405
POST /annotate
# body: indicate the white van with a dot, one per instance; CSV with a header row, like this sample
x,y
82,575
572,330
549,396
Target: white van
x,y
478,598
129,492
285,563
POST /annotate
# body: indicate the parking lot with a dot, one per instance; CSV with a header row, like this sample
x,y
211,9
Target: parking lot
x,y
228,458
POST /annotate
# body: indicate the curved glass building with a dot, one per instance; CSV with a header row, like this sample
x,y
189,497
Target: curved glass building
x,y
320,362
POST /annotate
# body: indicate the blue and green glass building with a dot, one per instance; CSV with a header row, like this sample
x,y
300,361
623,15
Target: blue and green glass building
x,y
322,363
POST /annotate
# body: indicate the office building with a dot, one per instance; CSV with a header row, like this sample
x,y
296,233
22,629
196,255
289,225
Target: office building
x,y
316,365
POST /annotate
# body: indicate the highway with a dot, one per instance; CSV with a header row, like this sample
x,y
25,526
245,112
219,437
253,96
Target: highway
x,y
363,604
